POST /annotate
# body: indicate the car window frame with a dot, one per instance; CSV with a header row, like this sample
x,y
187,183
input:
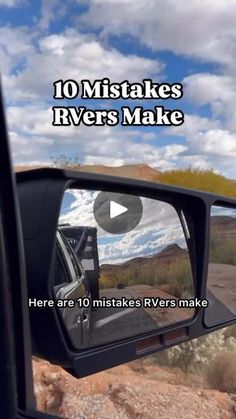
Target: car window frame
x,y
71,262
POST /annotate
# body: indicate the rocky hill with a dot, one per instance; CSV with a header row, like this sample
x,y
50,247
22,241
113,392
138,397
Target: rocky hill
x,y
138,171
143,266
223,227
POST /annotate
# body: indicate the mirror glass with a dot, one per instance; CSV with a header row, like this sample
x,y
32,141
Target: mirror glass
x,y
124,260
221,281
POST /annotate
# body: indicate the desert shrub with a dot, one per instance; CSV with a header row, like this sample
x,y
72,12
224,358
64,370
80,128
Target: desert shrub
x,y
222,251
174,278
106,282
173,289
160,275
206,180
62,161
197,354
180,278
221,373
230,331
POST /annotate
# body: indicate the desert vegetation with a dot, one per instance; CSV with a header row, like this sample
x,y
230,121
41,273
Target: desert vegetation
x,y
205,180
172,275
222,251
63,161
211,357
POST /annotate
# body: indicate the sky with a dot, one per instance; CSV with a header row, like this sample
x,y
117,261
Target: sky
x,y
189,42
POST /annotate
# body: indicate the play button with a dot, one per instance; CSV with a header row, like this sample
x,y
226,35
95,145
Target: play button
x,y
116,209
117,213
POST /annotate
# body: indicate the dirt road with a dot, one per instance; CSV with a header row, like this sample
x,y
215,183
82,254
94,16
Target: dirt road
x,y
111,324
222,287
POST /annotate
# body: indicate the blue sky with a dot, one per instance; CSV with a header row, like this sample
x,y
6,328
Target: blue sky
x,y
189,42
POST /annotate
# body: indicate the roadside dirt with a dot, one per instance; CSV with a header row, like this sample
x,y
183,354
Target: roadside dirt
x,y
221,282
162,316
135,390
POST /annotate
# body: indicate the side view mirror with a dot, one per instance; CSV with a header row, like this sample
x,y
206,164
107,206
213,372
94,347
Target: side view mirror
x,y
133,266
119,268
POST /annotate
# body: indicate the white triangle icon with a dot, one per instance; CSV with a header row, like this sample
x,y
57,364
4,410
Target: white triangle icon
x,y
116,209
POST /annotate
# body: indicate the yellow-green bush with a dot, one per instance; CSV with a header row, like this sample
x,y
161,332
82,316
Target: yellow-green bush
x,y
106,282
205,180
179,278
174,278
223,251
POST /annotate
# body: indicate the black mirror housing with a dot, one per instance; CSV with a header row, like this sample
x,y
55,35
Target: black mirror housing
x,y
40,195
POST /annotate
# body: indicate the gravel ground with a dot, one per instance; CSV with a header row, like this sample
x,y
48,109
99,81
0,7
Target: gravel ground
x,y
129,391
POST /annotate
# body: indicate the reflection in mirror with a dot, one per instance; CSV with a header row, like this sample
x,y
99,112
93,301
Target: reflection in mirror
x,y
116,252
221,281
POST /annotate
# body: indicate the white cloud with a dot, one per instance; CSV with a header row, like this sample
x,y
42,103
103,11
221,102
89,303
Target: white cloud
x,y
67,55
193,124
50,11
209,146
207,88
206,31
218,91
31,61
216,142
96,145
16,41
206,145
16,44
9,3
25,149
